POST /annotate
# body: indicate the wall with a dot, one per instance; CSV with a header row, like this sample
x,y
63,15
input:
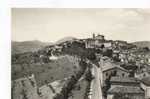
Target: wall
x,y
118,73
108,44
89,43
146,90
147,93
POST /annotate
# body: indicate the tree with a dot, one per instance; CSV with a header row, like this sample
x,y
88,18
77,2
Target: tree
x,y
146,48
108,53
89,76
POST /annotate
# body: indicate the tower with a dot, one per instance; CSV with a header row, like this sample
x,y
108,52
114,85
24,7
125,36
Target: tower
x,y
93,35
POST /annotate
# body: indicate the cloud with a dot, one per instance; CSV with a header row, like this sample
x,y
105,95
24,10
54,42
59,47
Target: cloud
x,y
53,24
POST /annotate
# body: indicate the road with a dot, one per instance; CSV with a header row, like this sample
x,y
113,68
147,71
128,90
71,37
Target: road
x,y
96,83
95,87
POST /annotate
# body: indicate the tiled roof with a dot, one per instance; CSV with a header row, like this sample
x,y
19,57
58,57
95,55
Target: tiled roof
x,y
126,89
146,81
124,79
110,65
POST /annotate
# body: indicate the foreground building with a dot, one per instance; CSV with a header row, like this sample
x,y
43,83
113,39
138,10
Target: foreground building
x,y
112,69
125,88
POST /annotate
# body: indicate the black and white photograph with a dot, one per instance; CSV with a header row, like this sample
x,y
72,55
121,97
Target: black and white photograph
x,y
80,53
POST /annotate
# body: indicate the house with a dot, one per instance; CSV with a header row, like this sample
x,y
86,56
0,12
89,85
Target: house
x,y
142,74
145,84
90,43
112,69
125,88
128,92
125,81
108,44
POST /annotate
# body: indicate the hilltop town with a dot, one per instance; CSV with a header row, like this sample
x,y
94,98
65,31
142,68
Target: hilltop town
x,y
91,68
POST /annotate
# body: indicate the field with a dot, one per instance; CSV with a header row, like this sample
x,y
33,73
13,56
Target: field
x,y
47,72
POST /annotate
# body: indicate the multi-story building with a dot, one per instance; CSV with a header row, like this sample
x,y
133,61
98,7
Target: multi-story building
x,y
97,42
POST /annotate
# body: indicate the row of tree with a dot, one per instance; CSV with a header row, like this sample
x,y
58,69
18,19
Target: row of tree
x,y
70,84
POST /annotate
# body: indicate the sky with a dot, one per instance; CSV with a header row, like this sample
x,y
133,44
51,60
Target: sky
x,y
52,24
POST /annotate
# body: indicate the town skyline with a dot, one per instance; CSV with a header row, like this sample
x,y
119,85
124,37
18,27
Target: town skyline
x,y
51,25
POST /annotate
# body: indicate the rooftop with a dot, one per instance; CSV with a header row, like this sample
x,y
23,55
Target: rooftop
x,y
110,65
126,89
124,79
146,81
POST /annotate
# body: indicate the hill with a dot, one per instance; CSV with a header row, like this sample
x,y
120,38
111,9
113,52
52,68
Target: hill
x,y
65,39
27,46
142,44
54,70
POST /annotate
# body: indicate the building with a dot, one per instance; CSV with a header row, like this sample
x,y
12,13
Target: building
x,y
125,88
112,69
96,41
107,44
145,84
142,74
90,43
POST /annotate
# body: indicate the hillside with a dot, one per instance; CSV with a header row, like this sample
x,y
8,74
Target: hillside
x,y
27,46
142,44
54,70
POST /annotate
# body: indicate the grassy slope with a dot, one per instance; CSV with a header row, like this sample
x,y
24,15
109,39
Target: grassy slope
x,y
55,70
79,93
27,46
142,44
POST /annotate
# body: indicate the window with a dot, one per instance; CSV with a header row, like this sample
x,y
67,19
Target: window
x,y
114,73
123,74
106,74
144,75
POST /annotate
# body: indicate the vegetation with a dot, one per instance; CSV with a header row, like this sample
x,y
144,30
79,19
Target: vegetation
x,y
77,48
108,52
51,71
67,88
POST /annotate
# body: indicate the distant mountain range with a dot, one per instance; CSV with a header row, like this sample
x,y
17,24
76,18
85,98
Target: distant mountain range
x,y
142,44
30,46
65,39
27,46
